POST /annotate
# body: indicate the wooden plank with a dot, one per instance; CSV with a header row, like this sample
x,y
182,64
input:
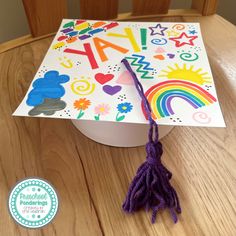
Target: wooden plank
x,y
150,7
21,41
198,5
171,13
45,16
99,9
205,7
210,7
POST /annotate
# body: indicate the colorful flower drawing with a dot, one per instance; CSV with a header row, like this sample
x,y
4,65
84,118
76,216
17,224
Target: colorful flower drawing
x,y
101,110
82,104
125,107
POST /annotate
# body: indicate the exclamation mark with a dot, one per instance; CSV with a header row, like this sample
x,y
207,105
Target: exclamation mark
x,y
144,38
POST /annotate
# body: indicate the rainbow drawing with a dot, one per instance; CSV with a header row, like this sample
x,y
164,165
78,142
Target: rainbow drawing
x,y
161,95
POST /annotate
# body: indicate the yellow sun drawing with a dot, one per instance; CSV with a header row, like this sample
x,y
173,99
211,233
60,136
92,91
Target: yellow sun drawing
x,y
186,74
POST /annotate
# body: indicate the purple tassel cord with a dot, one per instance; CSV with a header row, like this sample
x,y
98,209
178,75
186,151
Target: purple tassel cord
x,y
151,187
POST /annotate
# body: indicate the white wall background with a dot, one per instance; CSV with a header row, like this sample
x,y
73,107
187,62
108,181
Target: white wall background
x,y
13,22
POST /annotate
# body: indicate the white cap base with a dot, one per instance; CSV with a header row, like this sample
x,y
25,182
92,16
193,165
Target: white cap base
x,y
118,134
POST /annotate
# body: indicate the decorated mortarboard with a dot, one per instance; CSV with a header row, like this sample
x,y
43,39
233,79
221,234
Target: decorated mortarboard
x,y
132,72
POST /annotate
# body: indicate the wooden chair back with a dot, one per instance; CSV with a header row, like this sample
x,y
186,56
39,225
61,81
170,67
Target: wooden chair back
x,y
44,16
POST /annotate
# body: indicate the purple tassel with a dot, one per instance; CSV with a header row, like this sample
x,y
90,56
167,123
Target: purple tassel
x,y
150,187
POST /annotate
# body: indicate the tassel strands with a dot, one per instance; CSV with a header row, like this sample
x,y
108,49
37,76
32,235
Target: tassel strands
x,y
150,188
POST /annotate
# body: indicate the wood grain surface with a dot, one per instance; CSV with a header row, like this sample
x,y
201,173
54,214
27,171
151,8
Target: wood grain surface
x,y
205,7
149,7
92,179
44,17
101,9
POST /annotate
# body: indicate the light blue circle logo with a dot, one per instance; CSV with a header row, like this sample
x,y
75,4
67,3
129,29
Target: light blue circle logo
x,y
33,203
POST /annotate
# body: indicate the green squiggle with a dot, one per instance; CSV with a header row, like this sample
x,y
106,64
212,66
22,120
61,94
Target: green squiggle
x,y
188,56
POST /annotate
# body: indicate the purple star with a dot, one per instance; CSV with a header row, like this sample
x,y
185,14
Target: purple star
x,y
158,29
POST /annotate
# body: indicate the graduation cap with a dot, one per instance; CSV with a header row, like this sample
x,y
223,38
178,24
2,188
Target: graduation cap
x,y
131,73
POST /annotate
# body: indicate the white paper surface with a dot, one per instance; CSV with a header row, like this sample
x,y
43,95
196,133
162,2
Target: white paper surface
x,y
82,77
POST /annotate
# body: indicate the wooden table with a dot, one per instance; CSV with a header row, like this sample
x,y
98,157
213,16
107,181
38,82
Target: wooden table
x,y
92,179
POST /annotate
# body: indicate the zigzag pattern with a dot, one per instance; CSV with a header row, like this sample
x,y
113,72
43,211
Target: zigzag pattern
x,y
142,66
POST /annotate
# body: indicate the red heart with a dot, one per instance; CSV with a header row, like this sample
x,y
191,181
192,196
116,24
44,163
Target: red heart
x,y
103,78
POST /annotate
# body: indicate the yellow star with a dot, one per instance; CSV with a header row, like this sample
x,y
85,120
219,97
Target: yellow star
x,y
172,33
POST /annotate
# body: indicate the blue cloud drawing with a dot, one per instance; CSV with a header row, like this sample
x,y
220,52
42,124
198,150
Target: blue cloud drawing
x,y
47,87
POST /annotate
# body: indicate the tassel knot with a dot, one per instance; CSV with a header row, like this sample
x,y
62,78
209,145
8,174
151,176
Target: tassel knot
x,y
154,152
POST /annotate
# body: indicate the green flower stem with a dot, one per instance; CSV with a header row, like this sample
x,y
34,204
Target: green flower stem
x,y
97,117
117,115
81,113
119,118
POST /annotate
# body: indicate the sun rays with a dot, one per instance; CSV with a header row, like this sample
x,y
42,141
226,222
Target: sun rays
x,y
188,74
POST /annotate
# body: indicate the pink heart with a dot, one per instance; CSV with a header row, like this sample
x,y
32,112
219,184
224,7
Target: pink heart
x,y
125,78
160,50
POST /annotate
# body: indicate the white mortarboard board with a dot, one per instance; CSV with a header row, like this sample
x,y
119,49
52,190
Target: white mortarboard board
x,y
81,76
